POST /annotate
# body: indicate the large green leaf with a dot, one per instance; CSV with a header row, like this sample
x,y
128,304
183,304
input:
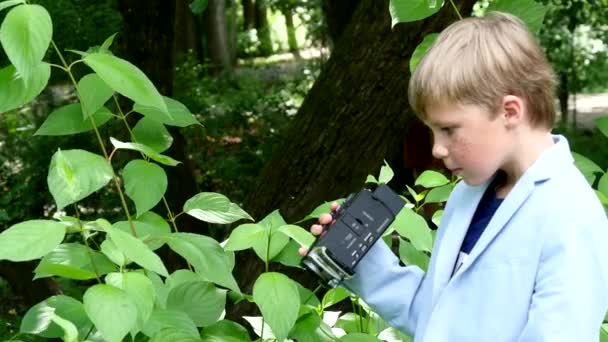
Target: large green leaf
x,y
201,301
530,12
602,186
74,261
152,134
273,241
30,239
137,251
150,227
421,49
334,296
310,328
279,301
25,35
75,174
358,337
412,256
8,3
299,234
173,335
70,331
414,227
38,319
148,151
214,208
112,311
15,91
244,236
289,255
94,93
431,179
126,79
439,194
140,290
225,331
587,167
206,255
178,320
386,174
411,10
602,124
68,120
145,184
180,115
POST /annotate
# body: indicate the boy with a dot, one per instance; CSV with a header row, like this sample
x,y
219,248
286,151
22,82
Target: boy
x,y
521,253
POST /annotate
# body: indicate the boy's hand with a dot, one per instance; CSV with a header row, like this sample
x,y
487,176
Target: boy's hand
x,y
317,229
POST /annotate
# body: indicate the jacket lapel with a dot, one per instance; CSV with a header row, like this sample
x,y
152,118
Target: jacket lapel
x,y
453,236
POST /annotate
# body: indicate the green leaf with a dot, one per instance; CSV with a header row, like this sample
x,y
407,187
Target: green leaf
x,y
386,173
94,93
145,184
289,255
38,321
105,46
112,311
126,79
311,328
431,179
334,296
225,331
25,35
587,167
152,134
604,333
243,236
140,289
358,337
173,335
8,3
73,261
273,241
189,298
411,10
148,151
602,124
421,49
198,6
322,209
109,249
70,331
137,251
75,174
206,255
214,208
602,186
412,256
69,120
299,234
149,227
30,240
439,194
437,215
414,227
603,198
370,179
180,115
529,11
257,323
277,297
162,319
15,91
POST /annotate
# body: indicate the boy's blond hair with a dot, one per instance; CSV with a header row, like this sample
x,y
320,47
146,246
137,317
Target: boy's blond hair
x,y
479,60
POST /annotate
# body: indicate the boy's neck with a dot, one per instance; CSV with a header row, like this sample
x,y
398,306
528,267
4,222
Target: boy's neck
x,y
526,151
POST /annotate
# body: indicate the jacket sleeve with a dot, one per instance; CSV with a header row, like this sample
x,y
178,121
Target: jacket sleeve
x,y
393,291
571,291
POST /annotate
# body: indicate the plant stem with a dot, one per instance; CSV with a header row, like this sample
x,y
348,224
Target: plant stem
x,y
99,140
86,242
456,9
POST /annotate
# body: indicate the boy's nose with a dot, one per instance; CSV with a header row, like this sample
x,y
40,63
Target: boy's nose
x,y
439,151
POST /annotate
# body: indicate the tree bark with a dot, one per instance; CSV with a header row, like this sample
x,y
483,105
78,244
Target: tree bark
x,y
292,41
262,27
186,33
337,15
217,37
248,14
354,117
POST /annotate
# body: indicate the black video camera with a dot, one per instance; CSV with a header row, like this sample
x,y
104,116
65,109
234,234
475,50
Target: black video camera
x,y
358,224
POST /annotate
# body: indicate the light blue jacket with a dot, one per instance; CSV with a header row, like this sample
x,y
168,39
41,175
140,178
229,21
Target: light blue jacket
x,y
538,273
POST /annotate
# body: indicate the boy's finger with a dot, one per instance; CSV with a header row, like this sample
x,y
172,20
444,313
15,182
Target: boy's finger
x,y
316,229
325,218
303,251
334,206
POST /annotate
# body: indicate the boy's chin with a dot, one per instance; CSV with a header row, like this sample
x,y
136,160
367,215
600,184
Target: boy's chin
x,y
470,181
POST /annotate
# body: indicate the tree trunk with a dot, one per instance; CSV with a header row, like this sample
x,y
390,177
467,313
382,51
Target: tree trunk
x,y
217,37
248,14
186,33
354,117
337,15
148,43
563,98
292,41
261,25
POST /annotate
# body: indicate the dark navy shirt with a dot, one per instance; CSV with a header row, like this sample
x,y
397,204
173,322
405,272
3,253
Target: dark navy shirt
x,y
485,210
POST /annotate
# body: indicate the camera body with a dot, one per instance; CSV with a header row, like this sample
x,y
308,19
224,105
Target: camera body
x,y
358,224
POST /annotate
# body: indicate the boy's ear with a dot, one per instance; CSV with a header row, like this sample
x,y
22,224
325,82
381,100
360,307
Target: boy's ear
x,y
514,110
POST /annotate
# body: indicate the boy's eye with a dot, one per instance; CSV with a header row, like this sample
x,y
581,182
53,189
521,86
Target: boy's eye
x,y
448,130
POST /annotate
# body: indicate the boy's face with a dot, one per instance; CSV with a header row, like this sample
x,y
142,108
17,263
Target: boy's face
x,y
470,141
